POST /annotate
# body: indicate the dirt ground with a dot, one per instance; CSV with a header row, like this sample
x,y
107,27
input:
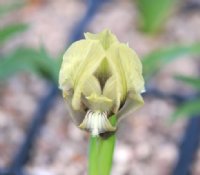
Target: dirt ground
x,y
147,143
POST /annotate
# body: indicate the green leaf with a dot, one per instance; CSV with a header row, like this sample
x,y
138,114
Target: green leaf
x,y
20,60
188,109
153,13
11,67
26,59
10,30
192,81
154,61
48,66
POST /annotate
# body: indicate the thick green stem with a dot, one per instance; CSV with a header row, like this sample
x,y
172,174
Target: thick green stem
x,y
101,153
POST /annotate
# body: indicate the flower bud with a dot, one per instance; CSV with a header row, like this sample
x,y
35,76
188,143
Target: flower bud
x,y
100,77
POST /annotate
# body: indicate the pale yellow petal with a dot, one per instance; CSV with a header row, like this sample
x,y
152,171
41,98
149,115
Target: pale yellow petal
x,y
133,102
76,115
76,56
110,91
90,86
126,62
126,70
105,37
133,67
98,102
118,74
79,62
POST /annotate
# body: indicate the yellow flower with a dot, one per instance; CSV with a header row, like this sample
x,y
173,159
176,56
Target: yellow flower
x,y
100,77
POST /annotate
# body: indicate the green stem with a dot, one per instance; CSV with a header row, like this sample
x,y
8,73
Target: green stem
x,y
101,153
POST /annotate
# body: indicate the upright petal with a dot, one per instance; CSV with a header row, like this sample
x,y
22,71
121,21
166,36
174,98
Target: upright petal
x,y
133,68
92,96
105,37
91,86
79,62
127,65
118,75
110,91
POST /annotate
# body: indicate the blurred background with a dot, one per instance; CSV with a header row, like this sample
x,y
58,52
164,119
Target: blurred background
x,y
37,136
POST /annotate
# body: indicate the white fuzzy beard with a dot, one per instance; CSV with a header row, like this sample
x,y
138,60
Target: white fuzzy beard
x,y
96,122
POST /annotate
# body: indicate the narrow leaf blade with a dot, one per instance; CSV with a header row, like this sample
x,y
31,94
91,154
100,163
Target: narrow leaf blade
x,y
188,109
154,61
192,81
